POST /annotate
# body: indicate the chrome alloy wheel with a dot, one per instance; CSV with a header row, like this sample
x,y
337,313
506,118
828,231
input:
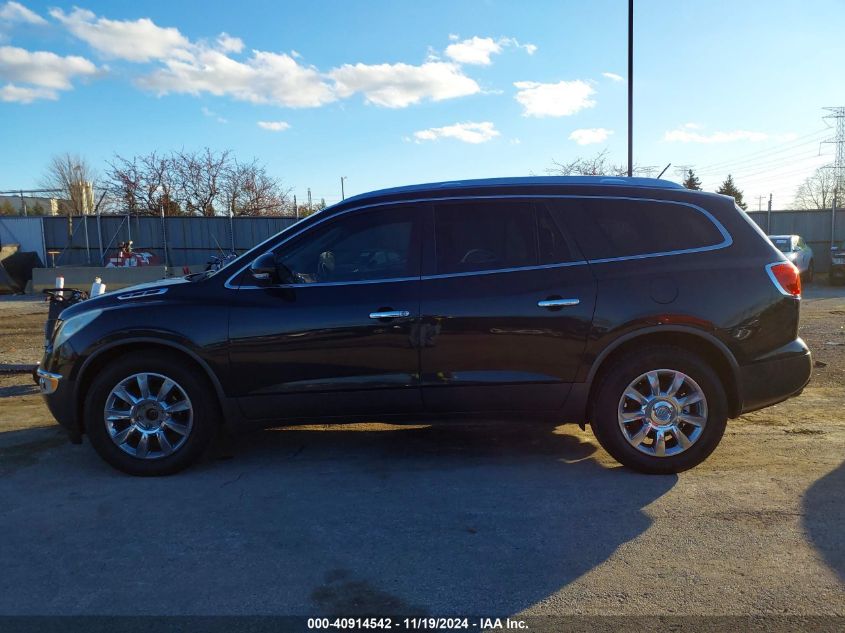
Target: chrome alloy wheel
x,y
148,416
662,412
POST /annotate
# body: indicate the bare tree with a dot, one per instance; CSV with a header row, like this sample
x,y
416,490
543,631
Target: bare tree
x,y
249,190
817,191
144,184
204,183
199,178
73,179
598,165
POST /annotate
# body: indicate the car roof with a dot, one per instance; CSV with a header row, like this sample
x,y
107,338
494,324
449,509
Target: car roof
x,y
529,181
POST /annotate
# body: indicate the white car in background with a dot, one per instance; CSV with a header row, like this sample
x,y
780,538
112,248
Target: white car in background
x,y
798,252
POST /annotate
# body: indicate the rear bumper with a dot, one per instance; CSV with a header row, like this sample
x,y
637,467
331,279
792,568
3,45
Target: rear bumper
x,y
775,377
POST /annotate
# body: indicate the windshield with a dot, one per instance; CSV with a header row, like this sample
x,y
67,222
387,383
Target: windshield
x,y
783,244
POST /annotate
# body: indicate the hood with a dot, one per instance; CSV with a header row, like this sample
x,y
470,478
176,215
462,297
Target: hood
x,y
139,293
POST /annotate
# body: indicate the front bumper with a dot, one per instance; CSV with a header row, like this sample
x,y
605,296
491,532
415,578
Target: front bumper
x,y
775,377
58,395
48,382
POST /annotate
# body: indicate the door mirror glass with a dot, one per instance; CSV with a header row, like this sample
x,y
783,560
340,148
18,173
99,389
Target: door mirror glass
x,y
264,268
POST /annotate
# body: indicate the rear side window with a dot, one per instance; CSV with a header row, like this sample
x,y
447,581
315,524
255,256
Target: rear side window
x,y
607,228
554,244
484,235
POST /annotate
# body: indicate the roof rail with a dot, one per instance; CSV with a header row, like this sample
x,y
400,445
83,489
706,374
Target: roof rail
x,y
621,181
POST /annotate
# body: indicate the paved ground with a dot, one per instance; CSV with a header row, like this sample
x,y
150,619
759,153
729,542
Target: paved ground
x,y
482,519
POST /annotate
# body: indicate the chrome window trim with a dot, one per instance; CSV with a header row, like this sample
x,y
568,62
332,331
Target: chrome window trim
x,y
727,240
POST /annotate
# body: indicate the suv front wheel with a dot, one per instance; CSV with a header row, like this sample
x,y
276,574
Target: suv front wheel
x,y
150,414
660,409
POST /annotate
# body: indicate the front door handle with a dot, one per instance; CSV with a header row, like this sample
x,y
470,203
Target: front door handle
x,y
390,314
557,303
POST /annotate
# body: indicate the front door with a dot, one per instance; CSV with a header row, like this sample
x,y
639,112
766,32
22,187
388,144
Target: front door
x,y
337,338
506,309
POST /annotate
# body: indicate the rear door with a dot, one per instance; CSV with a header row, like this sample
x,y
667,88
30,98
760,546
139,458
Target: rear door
x,y
506,308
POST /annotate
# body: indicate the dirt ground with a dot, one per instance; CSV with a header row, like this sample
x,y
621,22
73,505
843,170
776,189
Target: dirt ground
x,y
472,519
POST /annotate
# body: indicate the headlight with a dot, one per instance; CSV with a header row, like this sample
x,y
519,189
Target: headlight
x,y
68,328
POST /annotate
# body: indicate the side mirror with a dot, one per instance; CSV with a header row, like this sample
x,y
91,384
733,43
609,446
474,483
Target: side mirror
x,y
264,268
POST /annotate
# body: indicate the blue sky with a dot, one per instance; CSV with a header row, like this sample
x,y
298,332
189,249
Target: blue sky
x,y
390,93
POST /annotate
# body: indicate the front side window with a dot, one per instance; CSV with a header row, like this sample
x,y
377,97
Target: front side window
x,y
361,246
484,235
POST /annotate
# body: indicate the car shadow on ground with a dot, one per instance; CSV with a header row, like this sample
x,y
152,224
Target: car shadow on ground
x,y
462,519
824,518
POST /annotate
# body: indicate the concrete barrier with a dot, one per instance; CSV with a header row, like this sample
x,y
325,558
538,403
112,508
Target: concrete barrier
x,y
83,276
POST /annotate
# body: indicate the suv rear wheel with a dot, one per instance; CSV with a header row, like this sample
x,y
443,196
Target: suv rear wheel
x,y
660,409
149,414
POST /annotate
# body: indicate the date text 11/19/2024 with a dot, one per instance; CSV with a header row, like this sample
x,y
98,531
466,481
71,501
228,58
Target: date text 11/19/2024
x,y
419,623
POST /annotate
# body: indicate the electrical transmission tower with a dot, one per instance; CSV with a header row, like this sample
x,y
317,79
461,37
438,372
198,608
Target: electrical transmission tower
x,y
838,166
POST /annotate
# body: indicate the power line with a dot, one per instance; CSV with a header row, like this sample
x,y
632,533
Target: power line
x,y
786,145
739,164
786,160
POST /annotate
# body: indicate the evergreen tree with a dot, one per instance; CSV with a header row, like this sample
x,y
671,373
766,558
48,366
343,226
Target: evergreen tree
x,y
729,188
692,181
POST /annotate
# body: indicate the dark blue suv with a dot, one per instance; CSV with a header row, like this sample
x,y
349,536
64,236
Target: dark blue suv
x,y
648,311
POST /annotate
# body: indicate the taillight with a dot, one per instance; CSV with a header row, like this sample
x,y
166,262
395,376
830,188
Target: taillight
x,y
786,278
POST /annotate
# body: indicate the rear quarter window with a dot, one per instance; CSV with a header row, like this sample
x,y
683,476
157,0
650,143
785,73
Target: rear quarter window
x,y
608,228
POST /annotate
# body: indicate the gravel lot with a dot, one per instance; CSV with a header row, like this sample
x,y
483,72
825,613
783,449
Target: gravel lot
x,y
474,519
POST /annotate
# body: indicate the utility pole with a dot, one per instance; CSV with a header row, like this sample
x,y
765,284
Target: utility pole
x,y
309,200
769,217
295,208
759,203
838,166
342,192
630,88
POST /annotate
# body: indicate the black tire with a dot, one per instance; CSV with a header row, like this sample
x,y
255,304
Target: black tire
x,y
811,272
206,417
625,369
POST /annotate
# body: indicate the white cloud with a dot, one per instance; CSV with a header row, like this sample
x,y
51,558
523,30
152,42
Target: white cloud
x,y
477,50
265,77
133,40
216,67
46,73
21,94
554,100
400,85
211,114
589,136
687,134
613,76
16,12
274,126
466,132
229,44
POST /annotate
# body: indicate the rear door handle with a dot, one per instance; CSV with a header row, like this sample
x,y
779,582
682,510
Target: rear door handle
x,y
390,314
557,303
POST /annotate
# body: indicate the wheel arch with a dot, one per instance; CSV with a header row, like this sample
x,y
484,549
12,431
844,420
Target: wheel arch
x,y
712,350
116,349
